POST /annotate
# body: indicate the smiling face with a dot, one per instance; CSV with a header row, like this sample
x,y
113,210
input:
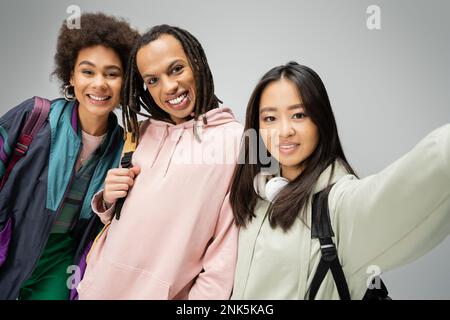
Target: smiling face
x,y
287,131
167,73
97,81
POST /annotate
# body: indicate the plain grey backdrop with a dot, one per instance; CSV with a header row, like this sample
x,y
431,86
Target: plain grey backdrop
x,y
388,87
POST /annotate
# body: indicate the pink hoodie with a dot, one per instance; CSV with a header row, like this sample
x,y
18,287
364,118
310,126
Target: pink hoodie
x,y
176,237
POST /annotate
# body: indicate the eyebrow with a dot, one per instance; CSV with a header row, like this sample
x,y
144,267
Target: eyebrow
x,y
273,109
85,62
173,63
147,75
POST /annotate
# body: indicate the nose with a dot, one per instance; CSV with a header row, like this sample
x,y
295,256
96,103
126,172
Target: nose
x,y
286,129
100,82
169,85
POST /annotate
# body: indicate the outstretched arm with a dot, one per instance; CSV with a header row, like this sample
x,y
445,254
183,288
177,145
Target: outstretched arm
x,y
399,214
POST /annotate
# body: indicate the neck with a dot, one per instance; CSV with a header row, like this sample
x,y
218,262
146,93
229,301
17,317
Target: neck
x,y
290,173
93,125
177,121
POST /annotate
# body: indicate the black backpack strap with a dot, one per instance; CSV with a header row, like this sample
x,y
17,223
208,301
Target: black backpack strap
x,y
377,293
321,228
125,162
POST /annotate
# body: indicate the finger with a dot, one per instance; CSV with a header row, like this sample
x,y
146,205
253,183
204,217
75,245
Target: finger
x,y
118,172
119,180
113,196
117,187
117,194
134,171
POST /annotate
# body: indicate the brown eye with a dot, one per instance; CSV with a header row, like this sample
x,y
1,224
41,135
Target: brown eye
x,y
87,72
112,75
152,81
269,119
177,69
299,115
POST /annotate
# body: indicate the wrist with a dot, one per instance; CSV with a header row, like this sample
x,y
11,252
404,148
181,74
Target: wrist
x,y
106,205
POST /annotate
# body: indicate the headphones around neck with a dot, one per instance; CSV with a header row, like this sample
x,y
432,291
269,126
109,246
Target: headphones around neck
x,y
274,186
271,188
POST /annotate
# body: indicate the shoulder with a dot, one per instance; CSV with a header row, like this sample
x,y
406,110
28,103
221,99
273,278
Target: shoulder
x,y
340,189
229,131
18,111
343,185
235,126
143,125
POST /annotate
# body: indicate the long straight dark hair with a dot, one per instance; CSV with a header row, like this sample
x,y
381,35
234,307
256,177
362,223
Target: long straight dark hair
x,y
135,97
291,201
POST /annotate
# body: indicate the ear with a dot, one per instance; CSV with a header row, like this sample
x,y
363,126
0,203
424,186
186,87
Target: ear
x,y
71,79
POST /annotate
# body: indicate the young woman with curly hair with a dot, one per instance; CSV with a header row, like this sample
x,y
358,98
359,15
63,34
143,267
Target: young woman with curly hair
x,y
45,214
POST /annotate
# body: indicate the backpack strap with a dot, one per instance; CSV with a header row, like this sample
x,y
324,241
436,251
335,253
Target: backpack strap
x,y
34,123
321,229
375,293
125,162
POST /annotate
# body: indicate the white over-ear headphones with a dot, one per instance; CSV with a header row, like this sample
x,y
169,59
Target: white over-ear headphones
x,y
268,189
274,186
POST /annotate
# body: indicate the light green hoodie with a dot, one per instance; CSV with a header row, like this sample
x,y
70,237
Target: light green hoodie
x,y
381,222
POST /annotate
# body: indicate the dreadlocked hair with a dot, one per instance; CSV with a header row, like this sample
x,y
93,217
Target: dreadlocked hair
x,y
136,98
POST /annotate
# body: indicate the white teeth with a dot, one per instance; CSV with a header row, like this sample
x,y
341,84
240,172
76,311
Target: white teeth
x,y
178,100
288,146
98,98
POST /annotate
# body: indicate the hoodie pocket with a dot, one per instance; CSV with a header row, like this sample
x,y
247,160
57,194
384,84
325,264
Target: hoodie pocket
x,y
112,281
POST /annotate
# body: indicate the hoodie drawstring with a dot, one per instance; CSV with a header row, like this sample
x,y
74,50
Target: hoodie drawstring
x,y
161,143
178,138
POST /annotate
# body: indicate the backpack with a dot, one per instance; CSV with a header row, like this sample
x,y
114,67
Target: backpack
x,y
33,124
321,229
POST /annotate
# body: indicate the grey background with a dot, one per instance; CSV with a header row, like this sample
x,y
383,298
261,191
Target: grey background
x,y
388,87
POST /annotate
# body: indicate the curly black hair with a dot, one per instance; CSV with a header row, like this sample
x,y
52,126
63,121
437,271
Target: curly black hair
x,y
96,29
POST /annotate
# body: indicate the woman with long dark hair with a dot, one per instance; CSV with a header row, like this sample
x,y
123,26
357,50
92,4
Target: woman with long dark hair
x,y
298,220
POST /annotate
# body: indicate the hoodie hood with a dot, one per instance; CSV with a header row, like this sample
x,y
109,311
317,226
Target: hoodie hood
x,y
213,117
170,135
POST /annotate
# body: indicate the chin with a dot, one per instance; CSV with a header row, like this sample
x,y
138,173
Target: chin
x,y
183,114
290,162
96,111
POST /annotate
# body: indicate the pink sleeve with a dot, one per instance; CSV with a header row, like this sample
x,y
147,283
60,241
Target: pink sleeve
x,y
215,282
96,204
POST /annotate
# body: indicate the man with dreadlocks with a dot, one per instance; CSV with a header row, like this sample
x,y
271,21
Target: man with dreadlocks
x,y
176,237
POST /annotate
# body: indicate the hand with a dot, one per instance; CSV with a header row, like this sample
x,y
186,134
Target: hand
x,y
118,182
